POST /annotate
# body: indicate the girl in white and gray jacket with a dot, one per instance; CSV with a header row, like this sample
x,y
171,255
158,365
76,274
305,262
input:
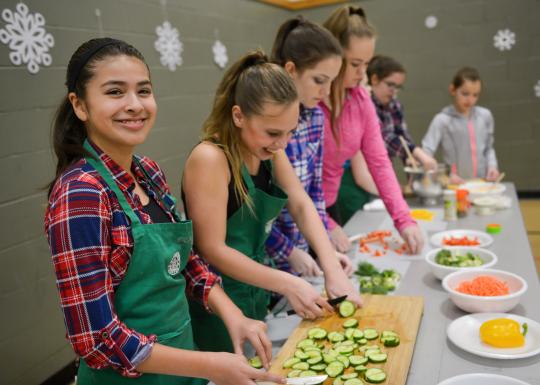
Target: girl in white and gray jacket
x,y
465,131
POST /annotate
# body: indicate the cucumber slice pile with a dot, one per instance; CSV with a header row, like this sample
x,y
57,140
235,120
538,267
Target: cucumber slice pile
x,y
345,356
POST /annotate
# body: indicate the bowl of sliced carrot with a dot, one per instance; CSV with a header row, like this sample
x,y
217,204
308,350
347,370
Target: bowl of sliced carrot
x,y
446,260
486,290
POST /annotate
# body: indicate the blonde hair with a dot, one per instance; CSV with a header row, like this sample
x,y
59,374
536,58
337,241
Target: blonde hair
x,y
249,83
343,23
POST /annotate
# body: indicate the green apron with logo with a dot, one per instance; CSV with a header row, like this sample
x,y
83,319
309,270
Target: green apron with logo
x,y
151,298
247,231
351,197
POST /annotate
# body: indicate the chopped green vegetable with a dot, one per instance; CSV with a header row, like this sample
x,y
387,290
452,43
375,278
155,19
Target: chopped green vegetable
x,y
455,258
525,329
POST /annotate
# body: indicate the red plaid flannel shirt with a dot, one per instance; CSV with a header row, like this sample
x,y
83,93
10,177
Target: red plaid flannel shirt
x,y
91,244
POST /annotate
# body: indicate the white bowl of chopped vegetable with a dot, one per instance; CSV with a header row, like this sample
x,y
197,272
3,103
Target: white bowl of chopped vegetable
x,y
446,260
484,290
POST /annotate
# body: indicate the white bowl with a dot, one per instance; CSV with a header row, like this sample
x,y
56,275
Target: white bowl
x,y
482,304
441,271
482,379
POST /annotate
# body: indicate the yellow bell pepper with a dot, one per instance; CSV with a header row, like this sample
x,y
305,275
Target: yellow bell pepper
x,y
502,333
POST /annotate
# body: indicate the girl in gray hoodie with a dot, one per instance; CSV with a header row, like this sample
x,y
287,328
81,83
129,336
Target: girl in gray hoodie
x,y
465,132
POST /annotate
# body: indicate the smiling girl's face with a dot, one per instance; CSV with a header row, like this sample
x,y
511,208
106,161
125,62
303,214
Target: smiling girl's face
x,y
264,134
118,108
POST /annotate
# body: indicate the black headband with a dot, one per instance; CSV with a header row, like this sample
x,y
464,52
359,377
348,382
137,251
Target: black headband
x,y
84,59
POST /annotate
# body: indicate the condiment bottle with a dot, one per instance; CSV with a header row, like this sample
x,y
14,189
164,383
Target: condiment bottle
x,y
450,207
462,202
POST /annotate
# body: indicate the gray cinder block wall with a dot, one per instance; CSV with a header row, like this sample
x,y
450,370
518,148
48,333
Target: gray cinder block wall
x,y
32,343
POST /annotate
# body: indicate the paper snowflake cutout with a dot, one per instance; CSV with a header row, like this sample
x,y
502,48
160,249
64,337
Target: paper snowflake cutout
x,y
27,39
504,39
431,22
220,54
537,89
169,46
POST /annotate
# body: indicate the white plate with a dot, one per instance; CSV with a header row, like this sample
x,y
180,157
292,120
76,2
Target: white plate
x,y
482,379
481,188
464,332
484,238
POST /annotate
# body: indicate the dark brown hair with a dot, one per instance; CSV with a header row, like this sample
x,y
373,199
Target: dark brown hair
x,y
68,132
383,66
465,73
249,83
304,43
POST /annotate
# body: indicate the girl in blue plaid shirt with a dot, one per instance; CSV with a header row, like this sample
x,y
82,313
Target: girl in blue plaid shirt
x,y
312,57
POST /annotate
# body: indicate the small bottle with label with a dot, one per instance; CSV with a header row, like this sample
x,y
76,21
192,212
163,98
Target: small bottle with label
x,y
450,207
463,203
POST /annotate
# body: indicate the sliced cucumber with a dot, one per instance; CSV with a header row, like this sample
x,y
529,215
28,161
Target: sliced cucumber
x,y
311,349
375,375
357,360
337,381
362,341
360,368
255,362
348,376
390,341
301,366
328,358
353,381
347,343
290,362
308,373
345,349
344,360
358,334
370,334
317,333
294,373
346,309
377,358
318,367
334,369
349,333
305,343
300,354
314,353
315,360
350,323
335,337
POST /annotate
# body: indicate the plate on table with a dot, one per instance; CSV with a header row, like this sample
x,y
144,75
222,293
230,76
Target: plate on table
x,y
482,379
481,188
483,238
464,332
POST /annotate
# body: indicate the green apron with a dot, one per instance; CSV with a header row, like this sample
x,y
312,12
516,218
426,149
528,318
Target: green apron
x,y
247,231
151,298
351,197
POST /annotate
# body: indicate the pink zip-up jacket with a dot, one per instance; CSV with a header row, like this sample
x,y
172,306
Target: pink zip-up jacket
x,y
359,130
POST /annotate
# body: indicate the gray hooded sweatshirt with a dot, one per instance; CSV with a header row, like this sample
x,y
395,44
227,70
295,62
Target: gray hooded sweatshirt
x,y
459,135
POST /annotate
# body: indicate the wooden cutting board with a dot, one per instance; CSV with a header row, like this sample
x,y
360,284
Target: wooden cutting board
x,y
398,313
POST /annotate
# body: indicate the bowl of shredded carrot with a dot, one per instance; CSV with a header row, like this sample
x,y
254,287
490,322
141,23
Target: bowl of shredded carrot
x,y
446,260
485,290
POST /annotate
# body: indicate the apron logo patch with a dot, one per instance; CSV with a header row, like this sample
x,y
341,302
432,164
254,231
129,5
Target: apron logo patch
x,y
174,265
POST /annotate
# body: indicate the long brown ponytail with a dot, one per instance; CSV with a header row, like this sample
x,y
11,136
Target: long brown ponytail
x,y
249,83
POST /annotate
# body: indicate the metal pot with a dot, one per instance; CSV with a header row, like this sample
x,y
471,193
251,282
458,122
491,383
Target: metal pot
x,y
428,185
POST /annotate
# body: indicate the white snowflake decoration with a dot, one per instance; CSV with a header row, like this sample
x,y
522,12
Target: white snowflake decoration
x,y
431,22
220,54
537,89
504,40
169,46
27,39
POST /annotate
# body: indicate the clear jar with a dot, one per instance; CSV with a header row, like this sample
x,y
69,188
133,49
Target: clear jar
x,y
450,205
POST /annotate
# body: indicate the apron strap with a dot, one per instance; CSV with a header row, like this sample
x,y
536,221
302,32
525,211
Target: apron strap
x,y
247,179
106,174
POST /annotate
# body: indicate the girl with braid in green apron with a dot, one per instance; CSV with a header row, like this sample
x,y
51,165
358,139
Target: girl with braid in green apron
x,y
236,182
122,256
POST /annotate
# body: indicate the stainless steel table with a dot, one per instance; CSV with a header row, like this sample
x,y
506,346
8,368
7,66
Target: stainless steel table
x,y
435,357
